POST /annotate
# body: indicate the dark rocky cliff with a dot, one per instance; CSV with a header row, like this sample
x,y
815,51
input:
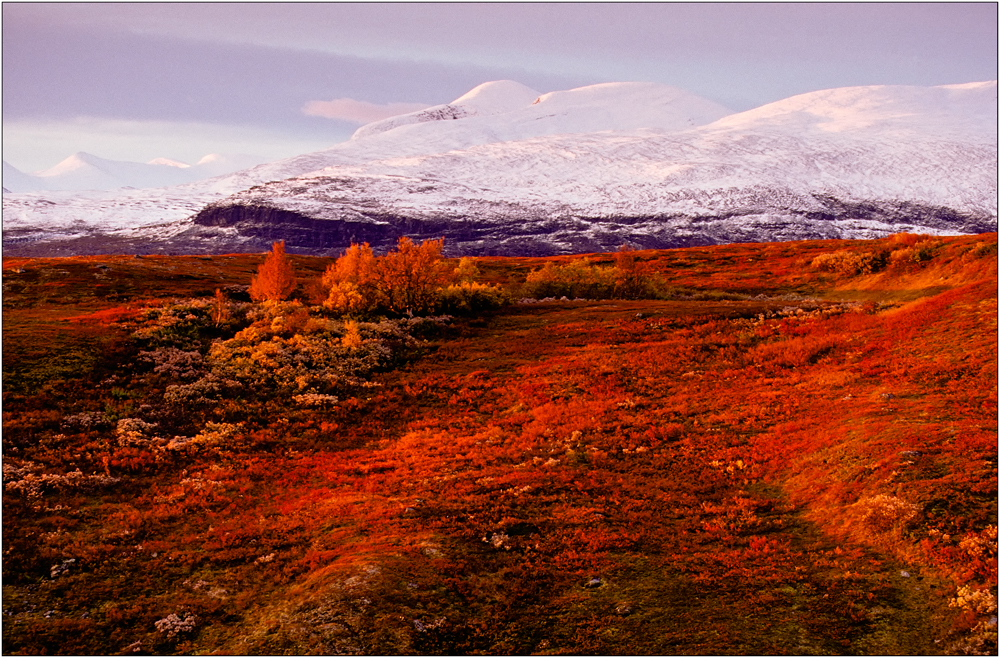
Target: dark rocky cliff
x,y
256,225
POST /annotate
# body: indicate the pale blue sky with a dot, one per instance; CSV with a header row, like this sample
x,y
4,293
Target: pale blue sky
x,y
135,81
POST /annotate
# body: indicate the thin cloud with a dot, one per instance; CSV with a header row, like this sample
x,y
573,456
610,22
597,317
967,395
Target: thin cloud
x,y
360,112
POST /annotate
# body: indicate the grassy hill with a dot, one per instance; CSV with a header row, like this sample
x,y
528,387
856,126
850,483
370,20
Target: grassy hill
x,y
784,448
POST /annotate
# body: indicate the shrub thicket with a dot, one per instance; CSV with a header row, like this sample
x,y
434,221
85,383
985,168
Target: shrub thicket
x,y
899,251
581,278
849,263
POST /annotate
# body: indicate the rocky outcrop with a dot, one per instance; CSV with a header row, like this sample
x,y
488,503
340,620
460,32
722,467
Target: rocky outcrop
x,y
255,226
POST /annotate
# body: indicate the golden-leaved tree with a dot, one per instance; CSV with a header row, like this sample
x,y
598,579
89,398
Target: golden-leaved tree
x,y
404,280
275,278
411,275
351,282
631,278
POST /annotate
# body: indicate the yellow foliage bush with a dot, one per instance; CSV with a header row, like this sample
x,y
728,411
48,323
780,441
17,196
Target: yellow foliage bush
x,y
849,263
884,513
578,278
469,296
981,601
352,336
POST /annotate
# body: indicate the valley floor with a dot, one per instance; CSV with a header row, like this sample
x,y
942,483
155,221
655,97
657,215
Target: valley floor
x,y
768,475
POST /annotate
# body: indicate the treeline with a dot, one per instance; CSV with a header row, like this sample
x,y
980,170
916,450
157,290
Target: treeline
x,y
415,279
409,280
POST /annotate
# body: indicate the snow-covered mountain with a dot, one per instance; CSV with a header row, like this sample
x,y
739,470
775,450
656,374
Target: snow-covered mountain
x,y
15,180
506,170
854,162
127,220
499,111
84,171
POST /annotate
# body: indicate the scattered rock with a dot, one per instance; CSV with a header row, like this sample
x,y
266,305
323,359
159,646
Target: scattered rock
x,y
421,626
623,610
498,540
910,454
904,574
59,569
594,583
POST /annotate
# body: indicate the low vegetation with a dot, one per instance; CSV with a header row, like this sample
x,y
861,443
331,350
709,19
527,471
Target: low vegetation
x,y
741,449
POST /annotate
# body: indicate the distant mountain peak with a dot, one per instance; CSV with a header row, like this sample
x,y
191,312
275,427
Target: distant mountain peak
x,y
86,171
75,162
169,163
496,97
487,99
523,112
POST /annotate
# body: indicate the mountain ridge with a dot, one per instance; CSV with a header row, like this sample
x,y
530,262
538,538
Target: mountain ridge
x,y
82,171
587,169
855,162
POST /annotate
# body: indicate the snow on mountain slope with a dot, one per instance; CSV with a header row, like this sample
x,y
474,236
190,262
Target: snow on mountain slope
x,y
509,111
612,106
169,163
489,98
959,112
581,170
855,162
496,111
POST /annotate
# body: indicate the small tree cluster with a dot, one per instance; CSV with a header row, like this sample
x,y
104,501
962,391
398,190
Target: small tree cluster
x,y
412,279
403,281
